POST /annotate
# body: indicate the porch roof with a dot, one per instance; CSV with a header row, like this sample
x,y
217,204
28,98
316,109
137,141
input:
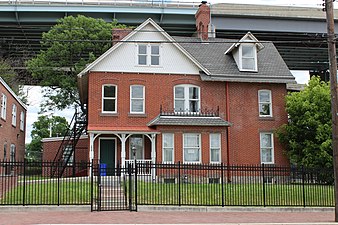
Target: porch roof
x,y
213,121
134,129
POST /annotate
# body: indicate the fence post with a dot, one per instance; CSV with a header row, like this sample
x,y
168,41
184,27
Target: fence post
x,y
222,183
130,186
135,185
58,179
92,185
179,183
99,199
263,176
303,185
24,183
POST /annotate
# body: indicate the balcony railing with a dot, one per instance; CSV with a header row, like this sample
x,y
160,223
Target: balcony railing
x,y
186,112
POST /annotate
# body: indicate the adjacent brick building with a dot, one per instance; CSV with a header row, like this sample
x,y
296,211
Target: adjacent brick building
x,y
12,125
188,99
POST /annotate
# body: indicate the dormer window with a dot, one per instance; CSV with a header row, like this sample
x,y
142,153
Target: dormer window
x,y
248,55
148,55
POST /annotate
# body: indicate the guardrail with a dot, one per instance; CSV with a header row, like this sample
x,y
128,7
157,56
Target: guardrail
x,y
149,3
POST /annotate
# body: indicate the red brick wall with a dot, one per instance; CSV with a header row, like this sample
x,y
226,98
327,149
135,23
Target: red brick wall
x,y
243,101
50,149
247,125
8,133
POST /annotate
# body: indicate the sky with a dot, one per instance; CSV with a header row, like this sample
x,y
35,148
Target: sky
x,y
35,95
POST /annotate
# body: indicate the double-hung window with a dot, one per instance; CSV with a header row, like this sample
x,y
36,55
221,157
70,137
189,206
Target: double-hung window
x,y
248,54
191,148
187,98
22,121
3,106
215,148
148,55
266,147
109,98
14,115
265,103
137,97
168,147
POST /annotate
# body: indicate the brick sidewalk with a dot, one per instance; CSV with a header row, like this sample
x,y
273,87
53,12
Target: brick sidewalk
x,y
160,217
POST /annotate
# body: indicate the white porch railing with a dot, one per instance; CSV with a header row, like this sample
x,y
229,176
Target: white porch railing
x,y
144,165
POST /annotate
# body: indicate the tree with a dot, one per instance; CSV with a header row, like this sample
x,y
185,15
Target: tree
x,y
308,132
9,75
69,46
44,127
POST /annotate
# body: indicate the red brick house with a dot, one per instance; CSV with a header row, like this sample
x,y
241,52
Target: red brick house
x,y
188,99
12,124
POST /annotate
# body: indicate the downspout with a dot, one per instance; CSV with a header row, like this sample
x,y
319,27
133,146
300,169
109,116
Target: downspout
x,y
228,130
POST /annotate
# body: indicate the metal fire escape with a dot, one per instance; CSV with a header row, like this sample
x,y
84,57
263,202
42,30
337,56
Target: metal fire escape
x,y
67,149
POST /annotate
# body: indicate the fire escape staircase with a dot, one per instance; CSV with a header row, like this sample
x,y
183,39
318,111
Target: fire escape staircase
x,y
67,147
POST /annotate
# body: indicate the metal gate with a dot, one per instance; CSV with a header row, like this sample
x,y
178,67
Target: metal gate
x,y
113,188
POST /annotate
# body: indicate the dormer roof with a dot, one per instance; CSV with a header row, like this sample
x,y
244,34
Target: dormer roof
x,y
247,38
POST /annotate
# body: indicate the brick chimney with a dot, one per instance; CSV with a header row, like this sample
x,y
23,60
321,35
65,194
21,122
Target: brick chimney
x,y
119,33
202,17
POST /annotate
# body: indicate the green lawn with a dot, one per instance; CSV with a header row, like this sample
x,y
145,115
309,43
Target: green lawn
x,y
235,194
44,192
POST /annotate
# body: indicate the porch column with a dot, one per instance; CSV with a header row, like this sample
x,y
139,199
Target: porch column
x,y
153,155
123,150
91,147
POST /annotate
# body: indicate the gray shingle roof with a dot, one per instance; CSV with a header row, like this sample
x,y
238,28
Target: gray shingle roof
x,y
188,121
271,66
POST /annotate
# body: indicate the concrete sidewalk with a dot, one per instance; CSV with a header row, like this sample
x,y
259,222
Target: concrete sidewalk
x,y
159,215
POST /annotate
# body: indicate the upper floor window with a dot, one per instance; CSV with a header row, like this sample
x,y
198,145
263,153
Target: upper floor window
x,y
168,147
3,106
192,148
137,99
265,103
215,148
148,55
187,98
22,121
14,115
248,54
266,146
109,99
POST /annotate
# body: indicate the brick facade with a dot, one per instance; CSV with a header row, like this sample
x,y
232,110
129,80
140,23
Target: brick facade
x,y
10,134
244,140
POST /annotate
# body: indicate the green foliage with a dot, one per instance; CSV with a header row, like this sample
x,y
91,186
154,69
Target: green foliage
x,y
69,46
44,127
8,74
308,134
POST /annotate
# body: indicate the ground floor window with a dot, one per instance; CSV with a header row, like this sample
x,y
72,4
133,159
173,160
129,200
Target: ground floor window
x,y
192,148
168,147
215,148
266,147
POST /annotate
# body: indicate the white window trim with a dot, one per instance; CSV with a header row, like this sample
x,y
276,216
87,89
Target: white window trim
x,y
173,148
241,57
200,149
148,54
143,99
259,103
109,98
22,121
272,148
14,114
186,97
3,106
220,147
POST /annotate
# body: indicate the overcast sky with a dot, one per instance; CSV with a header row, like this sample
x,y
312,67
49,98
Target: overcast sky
x,y
35,95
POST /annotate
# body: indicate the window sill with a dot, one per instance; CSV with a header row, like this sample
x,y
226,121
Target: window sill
x,y
108,114
267,118
137,115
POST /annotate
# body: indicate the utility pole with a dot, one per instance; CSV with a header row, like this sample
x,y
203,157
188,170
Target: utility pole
x,y
331,39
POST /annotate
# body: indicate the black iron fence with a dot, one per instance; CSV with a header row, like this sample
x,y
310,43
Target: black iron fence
x,y
31,183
